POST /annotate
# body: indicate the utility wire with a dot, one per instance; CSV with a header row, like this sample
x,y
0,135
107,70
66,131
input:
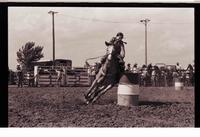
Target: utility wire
x,y
97,20
120,22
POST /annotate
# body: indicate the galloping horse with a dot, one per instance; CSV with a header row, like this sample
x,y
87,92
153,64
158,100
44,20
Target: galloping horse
x,y
105,80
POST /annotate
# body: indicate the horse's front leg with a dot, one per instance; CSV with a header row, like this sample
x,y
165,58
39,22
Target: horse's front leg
x,y
91,88
102,91
99,78
98,87
95,92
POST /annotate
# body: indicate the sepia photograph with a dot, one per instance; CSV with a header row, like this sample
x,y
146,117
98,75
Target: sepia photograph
x,y
101,67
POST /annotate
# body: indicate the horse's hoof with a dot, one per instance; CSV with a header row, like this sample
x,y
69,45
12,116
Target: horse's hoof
x,y
93,101
86,97
87,102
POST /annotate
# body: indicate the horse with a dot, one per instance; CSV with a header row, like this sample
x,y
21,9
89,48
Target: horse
x,y
107,76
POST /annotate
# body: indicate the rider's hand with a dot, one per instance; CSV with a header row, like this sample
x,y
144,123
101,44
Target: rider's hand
x,y
107,43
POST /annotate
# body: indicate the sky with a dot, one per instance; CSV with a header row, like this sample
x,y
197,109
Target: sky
x,y
81,33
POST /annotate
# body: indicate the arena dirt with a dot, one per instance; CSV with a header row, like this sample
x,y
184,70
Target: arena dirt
x,y
65,107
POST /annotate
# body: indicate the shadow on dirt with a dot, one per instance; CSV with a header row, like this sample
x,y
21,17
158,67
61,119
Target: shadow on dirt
x,y
142,103
105,102
152,103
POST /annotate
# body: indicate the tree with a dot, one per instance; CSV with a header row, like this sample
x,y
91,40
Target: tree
x,y
29,53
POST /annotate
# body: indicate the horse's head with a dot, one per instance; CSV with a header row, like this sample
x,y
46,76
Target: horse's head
x,y
110,49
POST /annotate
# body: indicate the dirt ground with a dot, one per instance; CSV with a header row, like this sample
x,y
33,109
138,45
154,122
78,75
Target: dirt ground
x,y
65,107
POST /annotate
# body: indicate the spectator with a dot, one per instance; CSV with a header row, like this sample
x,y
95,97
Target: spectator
x,y
144,66
128,68
153,76
19,76
175,76
59,77
135,69
178,67
36,77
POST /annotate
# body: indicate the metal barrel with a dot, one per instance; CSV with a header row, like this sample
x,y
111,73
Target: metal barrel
x,y
128,90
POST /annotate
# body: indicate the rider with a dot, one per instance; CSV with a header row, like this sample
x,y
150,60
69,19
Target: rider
x,y
119,51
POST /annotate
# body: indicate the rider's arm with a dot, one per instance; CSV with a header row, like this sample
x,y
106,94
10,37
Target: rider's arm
x,y
122,53
111,42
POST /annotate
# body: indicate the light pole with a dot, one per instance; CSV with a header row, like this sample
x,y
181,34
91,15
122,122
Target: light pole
x,y
145,22
53,34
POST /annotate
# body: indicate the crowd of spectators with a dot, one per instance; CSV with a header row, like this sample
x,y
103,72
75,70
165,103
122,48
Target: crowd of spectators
x,y
163,75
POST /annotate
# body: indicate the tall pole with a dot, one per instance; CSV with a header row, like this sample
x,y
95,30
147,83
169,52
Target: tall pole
x,y
145,22
53,34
